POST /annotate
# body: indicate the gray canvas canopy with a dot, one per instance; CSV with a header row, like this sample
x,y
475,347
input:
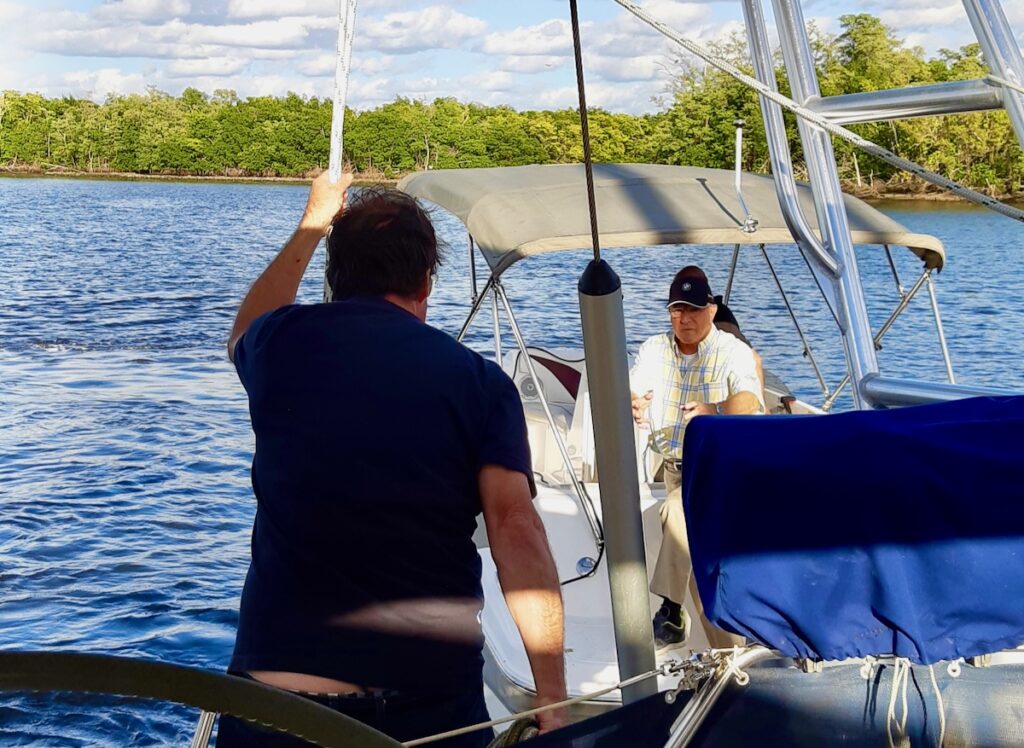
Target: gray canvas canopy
x,y
516,212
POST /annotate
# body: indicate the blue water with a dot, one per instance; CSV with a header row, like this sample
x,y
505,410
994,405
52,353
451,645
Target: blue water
x,y
125,506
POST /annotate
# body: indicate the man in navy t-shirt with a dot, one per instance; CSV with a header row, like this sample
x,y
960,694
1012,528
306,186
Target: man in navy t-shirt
x,y
379,440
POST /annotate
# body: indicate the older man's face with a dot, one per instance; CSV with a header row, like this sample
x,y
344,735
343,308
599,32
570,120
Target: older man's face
x,y
691,324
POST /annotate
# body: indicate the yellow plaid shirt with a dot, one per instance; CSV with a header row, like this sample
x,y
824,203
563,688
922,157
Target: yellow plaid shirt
x,y
722,367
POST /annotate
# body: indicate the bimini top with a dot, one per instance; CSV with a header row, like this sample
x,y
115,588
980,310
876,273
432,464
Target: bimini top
x,y
519,211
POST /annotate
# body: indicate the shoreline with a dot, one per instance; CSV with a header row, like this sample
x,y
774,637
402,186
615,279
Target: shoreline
x,y
868,194
126,176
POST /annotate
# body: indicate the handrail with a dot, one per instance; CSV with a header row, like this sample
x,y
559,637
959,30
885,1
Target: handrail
x,y
891,392
212,692
581,491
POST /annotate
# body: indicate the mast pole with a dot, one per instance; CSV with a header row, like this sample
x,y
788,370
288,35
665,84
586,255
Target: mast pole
x,y
604,345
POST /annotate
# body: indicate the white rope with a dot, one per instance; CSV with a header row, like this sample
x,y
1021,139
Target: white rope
x,y
900,679
346,28
1003,82
813,117
664,670
942,706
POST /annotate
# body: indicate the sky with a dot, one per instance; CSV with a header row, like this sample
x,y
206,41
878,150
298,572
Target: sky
x,y
513,52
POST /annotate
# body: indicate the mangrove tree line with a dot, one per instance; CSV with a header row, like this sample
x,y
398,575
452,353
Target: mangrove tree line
x,y
220,134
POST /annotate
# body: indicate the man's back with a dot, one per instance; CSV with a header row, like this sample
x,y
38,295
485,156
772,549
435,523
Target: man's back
x,y
371,428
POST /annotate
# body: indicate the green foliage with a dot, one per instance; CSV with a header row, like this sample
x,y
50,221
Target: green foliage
x,y
221,134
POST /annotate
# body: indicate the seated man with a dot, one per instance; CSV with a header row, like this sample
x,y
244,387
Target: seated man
x,y
694,369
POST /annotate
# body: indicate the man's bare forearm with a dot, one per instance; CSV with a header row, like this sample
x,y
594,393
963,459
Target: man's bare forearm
x,y
742,404
279,282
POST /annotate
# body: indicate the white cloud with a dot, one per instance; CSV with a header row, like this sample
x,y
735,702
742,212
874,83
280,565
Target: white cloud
x,y
97,84
495,80
436,27
277,8
143,10
209,66
932,16
619,69
528,64
552,37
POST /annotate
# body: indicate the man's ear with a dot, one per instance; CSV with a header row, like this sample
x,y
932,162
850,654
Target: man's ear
x,y
425,288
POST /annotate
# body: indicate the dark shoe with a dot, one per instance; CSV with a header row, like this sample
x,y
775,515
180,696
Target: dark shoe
x,y
670,631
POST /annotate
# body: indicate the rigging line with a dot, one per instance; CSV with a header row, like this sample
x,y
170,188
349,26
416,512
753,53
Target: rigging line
x,y
824,123
585,128
1003,82
343,66
665,669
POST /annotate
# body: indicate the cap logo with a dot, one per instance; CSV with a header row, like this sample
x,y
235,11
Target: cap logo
x,y
687,286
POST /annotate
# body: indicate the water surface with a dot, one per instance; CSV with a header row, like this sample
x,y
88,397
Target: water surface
x,y
125,506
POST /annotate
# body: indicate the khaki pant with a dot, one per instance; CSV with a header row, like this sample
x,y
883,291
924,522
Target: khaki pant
x,y
673,573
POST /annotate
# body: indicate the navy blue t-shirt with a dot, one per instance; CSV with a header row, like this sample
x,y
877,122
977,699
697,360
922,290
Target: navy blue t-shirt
x,y
371,428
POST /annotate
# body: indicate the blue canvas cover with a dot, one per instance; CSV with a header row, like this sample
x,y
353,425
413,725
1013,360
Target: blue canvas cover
x,y
867,533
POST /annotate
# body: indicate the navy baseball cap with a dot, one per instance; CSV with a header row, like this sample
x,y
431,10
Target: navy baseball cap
x,y
690,290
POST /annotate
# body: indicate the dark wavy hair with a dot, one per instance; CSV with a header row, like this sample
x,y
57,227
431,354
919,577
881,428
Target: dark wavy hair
x,y
383,243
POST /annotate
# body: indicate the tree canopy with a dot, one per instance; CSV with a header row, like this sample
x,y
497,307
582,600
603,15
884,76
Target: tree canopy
x,y
221,134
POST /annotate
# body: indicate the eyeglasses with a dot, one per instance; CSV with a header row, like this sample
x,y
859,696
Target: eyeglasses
x,y
430,282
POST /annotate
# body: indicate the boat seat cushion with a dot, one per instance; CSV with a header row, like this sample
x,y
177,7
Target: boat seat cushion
x,y
867,533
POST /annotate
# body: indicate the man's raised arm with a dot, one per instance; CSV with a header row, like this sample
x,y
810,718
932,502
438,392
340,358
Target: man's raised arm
x,y
277,285
528,579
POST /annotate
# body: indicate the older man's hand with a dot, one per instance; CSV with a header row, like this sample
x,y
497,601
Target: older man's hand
x,y
640,405
326,200
693,409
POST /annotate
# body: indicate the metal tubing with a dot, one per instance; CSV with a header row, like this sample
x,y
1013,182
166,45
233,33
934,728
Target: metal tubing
x,y
604,341
828,199
1002,54
497,331
696,711
888,392
941,332
580,490
778,146
472,268
732,274
895,275
792,314
475,309
201,738
954,97
904,301
749,222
